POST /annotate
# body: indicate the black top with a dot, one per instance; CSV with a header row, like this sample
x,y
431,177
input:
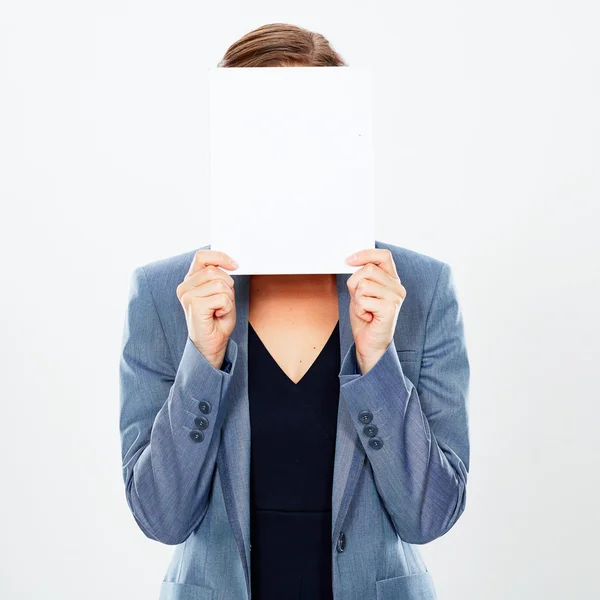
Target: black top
x,y
293,430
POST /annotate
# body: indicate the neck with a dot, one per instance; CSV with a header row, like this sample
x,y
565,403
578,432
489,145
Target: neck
x,y
293,284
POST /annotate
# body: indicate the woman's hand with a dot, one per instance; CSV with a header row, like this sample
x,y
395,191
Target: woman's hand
x,y
208,300
376,298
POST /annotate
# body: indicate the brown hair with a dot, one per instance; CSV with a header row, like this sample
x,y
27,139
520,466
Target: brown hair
x,y
281,45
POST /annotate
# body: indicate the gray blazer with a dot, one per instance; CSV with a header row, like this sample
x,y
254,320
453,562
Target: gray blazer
x,y
185,438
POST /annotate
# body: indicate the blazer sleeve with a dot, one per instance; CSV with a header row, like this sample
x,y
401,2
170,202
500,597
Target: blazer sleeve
x,y
420,468
170,421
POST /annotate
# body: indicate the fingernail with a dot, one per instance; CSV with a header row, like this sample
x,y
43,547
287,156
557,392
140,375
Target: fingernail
x,y
233,263
351,258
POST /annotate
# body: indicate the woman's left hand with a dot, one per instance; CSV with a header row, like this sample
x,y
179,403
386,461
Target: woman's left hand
x,y
376,298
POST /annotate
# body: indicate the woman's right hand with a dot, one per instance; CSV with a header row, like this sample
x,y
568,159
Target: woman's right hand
x,y
208,300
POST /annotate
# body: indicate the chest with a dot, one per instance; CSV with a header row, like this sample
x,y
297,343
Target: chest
x,y
294,331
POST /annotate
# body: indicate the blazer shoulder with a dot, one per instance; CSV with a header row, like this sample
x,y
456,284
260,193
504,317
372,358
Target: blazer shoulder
x,y
163,272
410,263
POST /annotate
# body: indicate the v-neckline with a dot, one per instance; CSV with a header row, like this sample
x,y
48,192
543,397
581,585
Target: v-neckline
x,y
291,382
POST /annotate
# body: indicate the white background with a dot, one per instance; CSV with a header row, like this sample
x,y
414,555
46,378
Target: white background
x,y
487,155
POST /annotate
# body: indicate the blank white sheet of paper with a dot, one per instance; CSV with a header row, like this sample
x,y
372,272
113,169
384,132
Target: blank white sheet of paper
x,y
291,167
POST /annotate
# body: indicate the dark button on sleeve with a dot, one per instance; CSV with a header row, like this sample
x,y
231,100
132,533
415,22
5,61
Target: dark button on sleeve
x,y
201,422
365,416
341,543
204,406
376,443
196,435
370,430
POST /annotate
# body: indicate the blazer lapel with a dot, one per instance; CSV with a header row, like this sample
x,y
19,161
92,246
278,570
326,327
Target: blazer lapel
x,y
233,459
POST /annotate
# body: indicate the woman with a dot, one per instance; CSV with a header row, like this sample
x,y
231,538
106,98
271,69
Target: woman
x,y
294,436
